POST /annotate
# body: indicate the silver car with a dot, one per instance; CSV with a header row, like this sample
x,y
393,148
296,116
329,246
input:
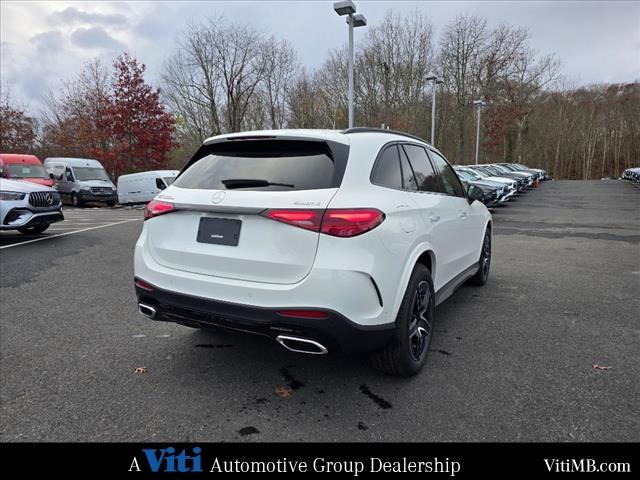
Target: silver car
x,y
28,207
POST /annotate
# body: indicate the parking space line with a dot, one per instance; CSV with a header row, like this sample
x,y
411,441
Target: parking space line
x,y
70,233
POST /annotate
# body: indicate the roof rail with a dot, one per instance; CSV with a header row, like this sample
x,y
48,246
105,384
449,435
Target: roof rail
x,y
382,130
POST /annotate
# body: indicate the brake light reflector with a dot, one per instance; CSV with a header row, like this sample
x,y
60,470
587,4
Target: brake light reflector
x,y
308,219
304,314
156,207
350,222
143,285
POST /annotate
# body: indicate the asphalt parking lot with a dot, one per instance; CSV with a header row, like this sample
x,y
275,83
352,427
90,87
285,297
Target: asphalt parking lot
x,y
512,361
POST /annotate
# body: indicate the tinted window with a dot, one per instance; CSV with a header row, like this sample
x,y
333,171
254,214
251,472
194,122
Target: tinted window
x,y
450,180
69,175
387,170
425,176
160,184
90,173
464,175
470,174
22,170
305,165
408,178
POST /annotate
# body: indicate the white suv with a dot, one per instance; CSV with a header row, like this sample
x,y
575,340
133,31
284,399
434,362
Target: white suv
x,y
28,207
325,241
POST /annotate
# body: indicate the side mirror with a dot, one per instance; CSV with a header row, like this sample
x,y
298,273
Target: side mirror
x,y
475,193
52,176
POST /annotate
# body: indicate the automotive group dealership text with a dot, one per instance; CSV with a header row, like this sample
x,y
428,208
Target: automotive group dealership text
x,y
193,464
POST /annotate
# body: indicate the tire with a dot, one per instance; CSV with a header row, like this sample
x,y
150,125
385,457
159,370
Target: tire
x,y
406,353
482,275
33,230
75,201
111,203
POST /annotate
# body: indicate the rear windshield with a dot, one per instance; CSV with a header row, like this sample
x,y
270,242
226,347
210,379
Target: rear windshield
x,y
90,173
21,170
259,164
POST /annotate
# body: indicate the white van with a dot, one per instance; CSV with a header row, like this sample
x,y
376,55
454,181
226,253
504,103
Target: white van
x,y
81,180
144,186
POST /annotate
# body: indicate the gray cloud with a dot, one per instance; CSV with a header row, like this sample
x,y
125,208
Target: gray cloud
x,y
95,37
73,15
51,42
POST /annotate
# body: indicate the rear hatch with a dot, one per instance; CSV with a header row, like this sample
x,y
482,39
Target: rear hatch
x,y
219,225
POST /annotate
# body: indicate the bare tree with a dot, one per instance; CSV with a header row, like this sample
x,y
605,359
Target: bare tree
x,y
280,69
462,46
212,77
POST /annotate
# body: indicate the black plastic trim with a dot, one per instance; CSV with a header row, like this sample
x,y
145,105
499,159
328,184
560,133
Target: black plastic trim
x,y
447,290
336,332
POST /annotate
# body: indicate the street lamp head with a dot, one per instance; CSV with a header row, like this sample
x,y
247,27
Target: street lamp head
x,y
479,103
359,20
344,8
439,81
431,76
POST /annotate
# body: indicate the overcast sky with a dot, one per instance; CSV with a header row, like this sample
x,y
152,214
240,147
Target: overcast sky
x,y
45,42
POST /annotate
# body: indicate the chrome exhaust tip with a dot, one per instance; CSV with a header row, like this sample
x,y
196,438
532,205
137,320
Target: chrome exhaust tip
x,y
301,345
147,310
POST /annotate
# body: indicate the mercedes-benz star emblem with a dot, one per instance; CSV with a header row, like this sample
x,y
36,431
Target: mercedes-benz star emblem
x,y
49,199
218,197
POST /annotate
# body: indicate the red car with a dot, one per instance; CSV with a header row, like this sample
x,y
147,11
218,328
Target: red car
x,y
28,168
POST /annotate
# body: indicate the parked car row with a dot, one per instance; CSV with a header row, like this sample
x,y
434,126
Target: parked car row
x,y
83,180
632,174
499,181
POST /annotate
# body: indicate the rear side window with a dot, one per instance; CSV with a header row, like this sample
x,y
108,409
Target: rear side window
x,y
450,180
408,178
256,165
425,175
387,169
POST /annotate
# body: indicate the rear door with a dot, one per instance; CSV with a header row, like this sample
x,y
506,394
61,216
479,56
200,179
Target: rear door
x,y
222,199
468,226
439,216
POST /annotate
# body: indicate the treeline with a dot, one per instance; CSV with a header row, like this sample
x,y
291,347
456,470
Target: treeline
x,y
225,77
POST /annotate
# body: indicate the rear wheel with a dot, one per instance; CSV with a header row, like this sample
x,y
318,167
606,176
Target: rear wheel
x,y
482,275
33,230
406,353
111,203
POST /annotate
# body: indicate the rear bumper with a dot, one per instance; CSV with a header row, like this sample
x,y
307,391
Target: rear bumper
x,y
336,333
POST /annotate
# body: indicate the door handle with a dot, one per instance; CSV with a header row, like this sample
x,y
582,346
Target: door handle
x,y
434,218
462,214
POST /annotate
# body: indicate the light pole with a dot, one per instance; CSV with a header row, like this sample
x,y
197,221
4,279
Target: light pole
x,y
432,77
479,104
385,65
349,9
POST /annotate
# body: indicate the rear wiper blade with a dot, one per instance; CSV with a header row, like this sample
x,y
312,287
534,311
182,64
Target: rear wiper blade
x,y
252,182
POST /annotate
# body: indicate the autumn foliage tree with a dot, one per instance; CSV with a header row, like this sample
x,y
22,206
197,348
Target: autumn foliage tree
x,y
138,127
17,133
70,125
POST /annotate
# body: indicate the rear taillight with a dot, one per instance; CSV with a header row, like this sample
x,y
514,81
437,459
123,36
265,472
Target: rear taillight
x,y
350,222
307,219
337,222
156,207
